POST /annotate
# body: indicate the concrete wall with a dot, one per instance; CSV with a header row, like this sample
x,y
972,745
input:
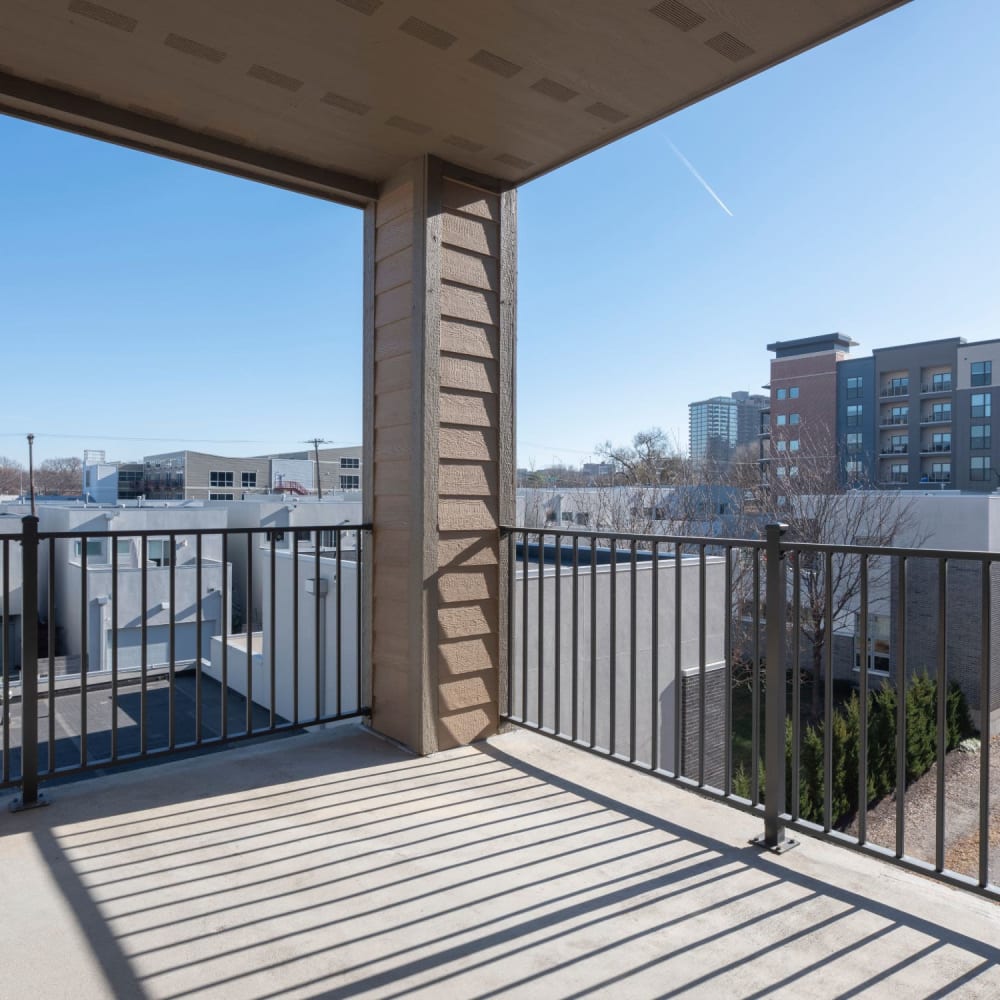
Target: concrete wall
x,y
602,584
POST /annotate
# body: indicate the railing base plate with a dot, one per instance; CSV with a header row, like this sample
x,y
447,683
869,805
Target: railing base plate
x,y
780,847
19,806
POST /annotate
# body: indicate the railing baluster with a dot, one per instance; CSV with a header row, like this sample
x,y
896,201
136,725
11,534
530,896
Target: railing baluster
x,y
340,627
576,636
248,624
727,645
863,708
942,711
318,630
172,669
524,628
30,796
633,652
199,616
511,608
358,564
557,662
114,648
901,707
6,655
83,651
272,621
224,614
295,627
50,600
755,687
702,664
593,641
678,670
613,650
828,694
797,682
654,666
985,703
540,643
144,648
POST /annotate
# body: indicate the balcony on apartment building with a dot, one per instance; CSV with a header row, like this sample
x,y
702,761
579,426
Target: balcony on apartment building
x,y
567,853
895,387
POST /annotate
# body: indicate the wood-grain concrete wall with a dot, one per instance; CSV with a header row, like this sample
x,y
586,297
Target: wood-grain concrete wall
x,y
440,272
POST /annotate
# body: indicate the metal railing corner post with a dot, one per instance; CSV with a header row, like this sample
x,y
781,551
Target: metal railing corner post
x,y
776,599
30,797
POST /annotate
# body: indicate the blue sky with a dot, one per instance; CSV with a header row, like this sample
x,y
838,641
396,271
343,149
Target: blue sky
x,y
147,306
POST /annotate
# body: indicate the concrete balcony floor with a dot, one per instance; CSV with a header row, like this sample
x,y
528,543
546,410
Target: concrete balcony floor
x,y
335,864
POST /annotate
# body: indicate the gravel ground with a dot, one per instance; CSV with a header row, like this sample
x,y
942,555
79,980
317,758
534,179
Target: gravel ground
x,y
961,814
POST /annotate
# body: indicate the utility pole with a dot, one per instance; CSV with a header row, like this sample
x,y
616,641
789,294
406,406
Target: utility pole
x,y
316,442
31,471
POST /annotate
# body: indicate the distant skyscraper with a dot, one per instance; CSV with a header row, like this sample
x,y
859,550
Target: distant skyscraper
x,y
718,426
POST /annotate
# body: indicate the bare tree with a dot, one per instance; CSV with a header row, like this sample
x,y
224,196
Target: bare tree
x,y
60,476
12,475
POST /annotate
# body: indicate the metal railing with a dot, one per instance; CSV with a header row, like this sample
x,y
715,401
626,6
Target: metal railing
x,y
724,664
889,391
936,418
135,650
929,387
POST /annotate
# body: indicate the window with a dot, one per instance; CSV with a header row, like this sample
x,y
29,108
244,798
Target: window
x,y
329,539
878,644
981,404
781,445
898,444
853,467
582,518
781,470
855,387
248,480
303,535
854,411
899,415
350,482
781,420
940,412
220,479
793,393
980,469
898,386
941,472
793,418
982,372
781,394
940,381
350,463
158,551
941,441
95,549
980,436
220,496
793,445
899,472
793,470
123,547
853,443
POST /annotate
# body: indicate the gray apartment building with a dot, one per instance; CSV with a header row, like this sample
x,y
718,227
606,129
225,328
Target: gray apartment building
x,y
720,425
916,416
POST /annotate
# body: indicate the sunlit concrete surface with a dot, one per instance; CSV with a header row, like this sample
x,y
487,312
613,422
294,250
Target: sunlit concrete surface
x,y
335,864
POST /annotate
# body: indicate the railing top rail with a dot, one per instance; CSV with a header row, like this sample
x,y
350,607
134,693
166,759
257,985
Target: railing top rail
x,y
180,530
787,545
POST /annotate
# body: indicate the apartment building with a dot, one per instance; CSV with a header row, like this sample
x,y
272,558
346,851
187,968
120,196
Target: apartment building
x,y
720,425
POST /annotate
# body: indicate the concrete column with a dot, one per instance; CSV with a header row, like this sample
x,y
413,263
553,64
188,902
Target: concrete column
x,y
440,281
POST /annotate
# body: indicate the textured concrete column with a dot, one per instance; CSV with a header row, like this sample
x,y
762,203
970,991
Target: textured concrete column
x,y
440,260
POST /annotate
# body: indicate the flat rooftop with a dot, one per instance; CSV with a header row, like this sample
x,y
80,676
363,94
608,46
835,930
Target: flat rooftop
x,y
336,864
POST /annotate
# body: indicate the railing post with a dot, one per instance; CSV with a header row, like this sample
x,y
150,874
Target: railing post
x,y
776,599
30,796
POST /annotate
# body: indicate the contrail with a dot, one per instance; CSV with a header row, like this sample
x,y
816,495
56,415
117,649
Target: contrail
x,y
701,180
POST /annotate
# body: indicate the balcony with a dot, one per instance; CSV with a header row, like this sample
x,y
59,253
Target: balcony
x,y
885,421
332,862
931,387
935,449
889,391
899,449
936,418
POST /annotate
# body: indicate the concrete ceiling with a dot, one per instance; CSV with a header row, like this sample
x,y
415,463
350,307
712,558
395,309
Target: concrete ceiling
x,y
330,97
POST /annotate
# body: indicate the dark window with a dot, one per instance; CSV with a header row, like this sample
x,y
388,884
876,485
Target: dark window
x,y
220,479
981,404
941,442
855,387
220,496
940,381
350,482
982,372
853,443
980,469
854,412
980,436
350,463
249,480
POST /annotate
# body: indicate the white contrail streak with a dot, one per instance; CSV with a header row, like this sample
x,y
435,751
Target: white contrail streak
x,y
701,180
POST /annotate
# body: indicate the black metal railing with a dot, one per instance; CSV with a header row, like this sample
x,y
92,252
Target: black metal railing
x,y
732,666
137,644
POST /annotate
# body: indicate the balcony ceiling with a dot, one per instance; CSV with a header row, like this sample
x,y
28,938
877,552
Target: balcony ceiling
x,y
332,96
